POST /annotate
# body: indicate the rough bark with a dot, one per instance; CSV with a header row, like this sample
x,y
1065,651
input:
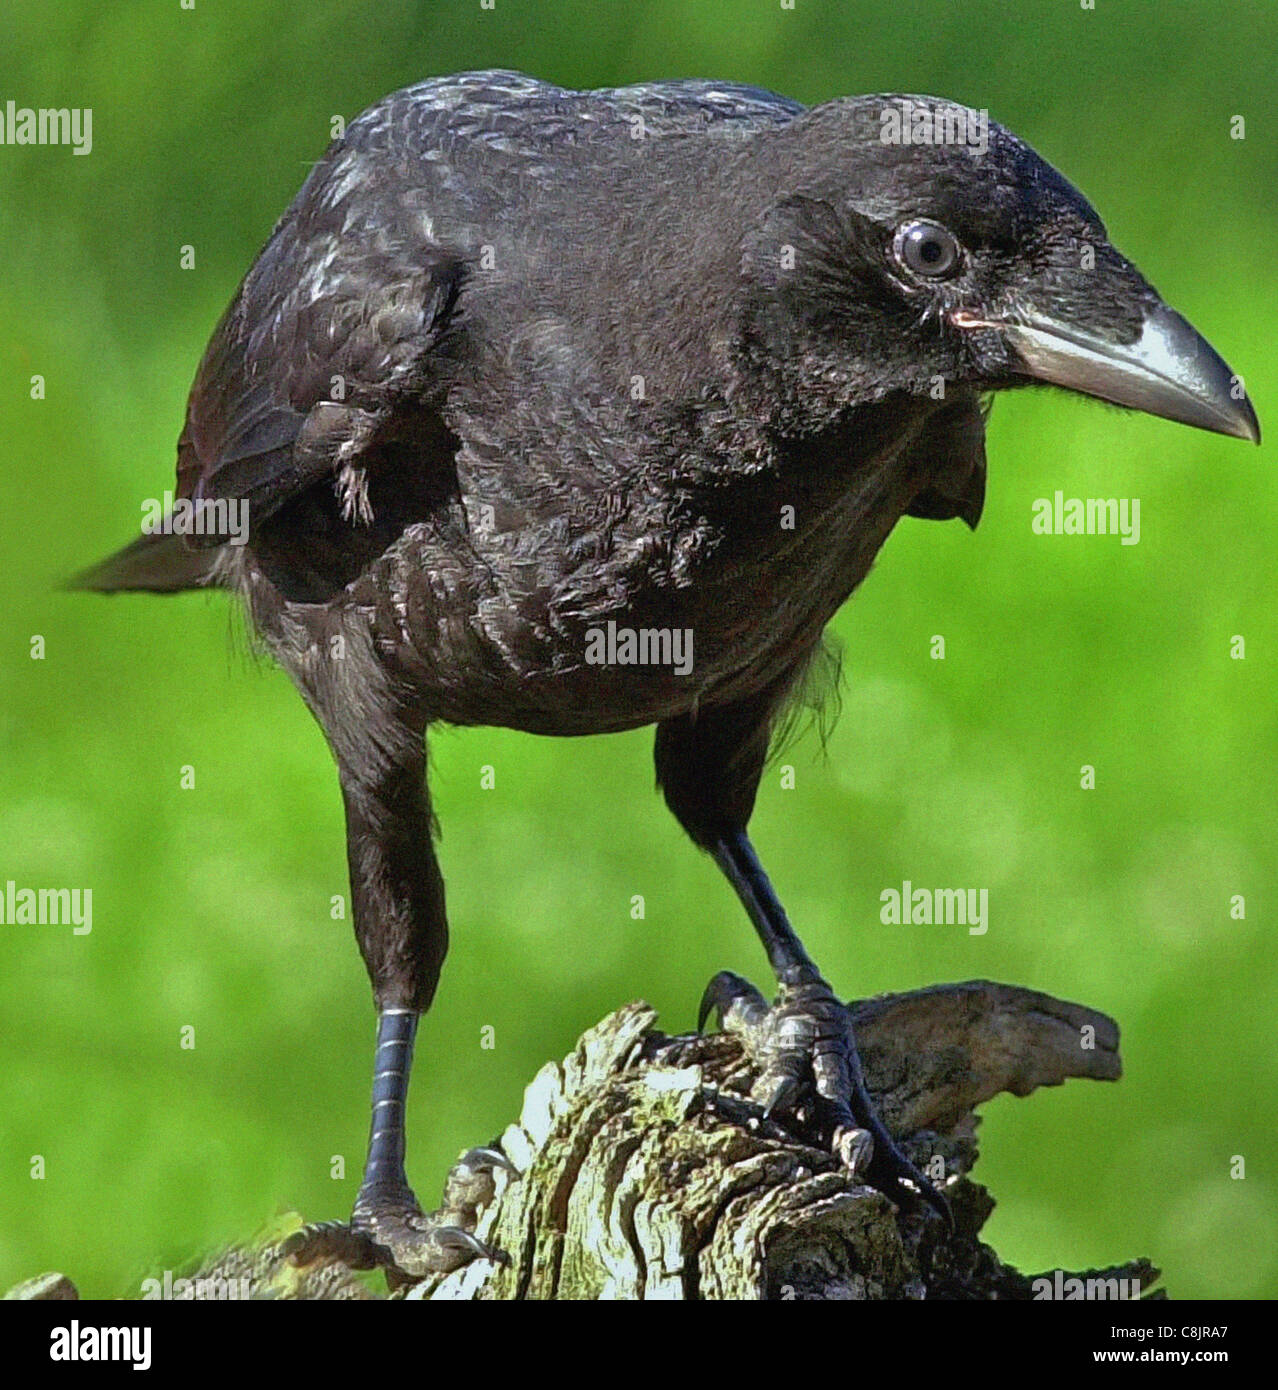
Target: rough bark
x,y
645,1171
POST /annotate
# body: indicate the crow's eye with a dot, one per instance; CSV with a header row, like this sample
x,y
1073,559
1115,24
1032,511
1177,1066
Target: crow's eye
x,y
927,249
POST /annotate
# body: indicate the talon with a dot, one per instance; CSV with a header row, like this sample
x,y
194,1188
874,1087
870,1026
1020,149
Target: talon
x,y
909,1191
903,1182
470,1184
456,1238
736,999
854,1147
783,1096
937,1201
486,1157
804,1048
942,1208
308,1238
712,998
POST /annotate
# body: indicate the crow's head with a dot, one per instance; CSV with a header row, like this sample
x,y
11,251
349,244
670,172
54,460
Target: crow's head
x,y
912,243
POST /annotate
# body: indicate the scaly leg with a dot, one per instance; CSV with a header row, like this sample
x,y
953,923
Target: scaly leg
x,y
400,923
709,765
804,1044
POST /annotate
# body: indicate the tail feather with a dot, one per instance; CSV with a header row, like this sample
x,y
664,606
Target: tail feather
x,y
158,564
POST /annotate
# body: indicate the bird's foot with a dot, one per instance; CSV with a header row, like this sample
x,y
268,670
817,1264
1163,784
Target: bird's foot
x,y
809,1071
389,1230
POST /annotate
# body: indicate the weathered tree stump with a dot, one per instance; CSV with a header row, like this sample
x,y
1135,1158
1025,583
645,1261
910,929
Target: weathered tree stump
x,y
646,1171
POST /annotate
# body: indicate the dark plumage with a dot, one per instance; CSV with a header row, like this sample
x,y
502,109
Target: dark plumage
x,y
518,362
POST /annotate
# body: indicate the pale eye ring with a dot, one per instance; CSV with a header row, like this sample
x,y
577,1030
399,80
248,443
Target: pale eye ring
x,y
927,249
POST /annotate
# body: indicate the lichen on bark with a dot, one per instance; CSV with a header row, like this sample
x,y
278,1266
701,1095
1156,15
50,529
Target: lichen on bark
x,y
644,1170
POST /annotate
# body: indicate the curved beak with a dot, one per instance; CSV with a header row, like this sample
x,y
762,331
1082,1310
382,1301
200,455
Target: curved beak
x,y
1170,370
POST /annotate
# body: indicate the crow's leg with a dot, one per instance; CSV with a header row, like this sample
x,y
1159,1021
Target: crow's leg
x,y
709,768
804,1045
398,905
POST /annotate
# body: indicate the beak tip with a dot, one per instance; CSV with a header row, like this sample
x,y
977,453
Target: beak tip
x,y
1241,421
1170,371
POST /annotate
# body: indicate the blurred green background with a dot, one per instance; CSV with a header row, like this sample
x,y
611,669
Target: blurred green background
x,y
211,905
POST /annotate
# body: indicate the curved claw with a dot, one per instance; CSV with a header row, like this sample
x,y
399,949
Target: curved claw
x,y
471,1182
890,1171
456,1238
908,1196
936,1200
710,1001
806,1043
487,1157
786,1091
731,995
855,1149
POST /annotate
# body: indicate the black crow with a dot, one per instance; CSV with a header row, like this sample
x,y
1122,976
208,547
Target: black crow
x,y
576,411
